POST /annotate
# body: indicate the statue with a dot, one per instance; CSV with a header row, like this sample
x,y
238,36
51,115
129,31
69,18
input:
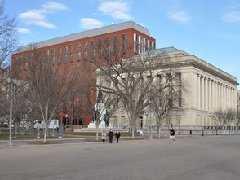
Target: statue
x,y
101,113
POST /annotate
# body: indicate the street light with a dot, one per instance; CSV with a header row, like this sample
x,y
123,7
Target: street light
x,y
150,121
38,129
66,117
10,121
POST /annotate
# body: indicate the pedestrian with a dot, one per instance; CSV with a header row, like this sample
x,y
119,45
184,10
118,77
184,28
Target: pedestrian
x,y
172,135
110,136
190,133
117,135
103,136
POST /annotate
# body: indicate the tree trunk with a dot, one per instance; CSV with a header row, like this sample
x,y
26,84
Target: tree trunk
x,y
159,132
45,135
97,129
133,132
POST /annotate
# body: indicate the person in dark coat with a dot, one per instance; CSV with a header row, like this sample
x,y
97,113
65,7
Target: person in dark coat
x,y
190,133
117,135
110,136
172,135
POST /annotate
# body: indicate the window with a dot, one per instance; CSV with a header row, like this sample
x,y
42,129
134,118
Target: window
x,y
108,46
115,44
71,52
99,48
53,55
145,44
141,44
92,49
85,48
124,46
59,55
150,45
47,55
65,54
41,56
78,51
136,43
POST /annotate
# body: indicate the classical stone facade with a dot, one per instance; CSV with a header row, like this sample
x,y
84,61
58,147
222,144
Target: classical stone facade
x,y
238,101
208,89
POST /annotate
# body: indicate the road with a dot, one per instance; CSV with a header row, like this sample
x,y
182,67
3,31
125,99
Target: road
x,y
199,158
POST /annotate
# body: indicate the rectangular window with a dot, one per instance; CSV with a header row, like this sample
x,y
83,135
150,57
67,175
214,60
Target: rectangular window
x,y
124,46
78,51
150,45
59,55
115,44
99,48
53,55
85,48
41,56
146,44
108,46
71,52
140,44
65,54
92,49
47,55
136,44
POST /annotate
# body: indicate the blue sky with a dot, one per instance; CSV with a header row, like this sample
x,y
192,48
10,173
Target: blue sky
x,y
208,29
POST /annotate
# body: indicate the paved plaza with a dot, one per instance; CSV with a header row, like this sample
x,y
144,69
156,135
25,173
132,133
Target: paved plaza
x,y
199,158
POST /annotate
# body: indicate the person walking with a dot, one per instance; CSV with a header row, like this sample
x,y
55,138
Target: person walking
x,y
110,136
190,133
117,135
103,136
172,135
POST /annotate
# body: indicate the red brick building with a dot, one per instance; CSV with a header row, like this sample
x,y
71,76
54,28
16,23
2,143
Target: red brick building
x,y
127,38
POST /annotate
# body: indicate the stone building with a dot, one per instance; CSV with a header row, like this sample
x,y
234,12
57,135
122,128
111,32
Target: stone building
x,y
238,101
209,89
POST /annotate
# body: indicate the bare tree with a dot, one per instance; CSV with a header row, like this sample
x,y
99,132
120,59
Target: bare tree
x,y
128,81
166,96
49,84
220,118
8,42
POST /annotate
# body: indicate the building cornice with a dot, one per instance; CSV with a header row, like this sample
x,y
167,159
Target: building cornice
x,y
90,33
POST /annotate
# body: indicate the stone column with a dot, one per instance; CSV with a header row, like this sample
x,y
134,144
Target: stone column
x,y
227,98
218,96
210,95
222,99
195,91
213,95
203,93
206,94
199,91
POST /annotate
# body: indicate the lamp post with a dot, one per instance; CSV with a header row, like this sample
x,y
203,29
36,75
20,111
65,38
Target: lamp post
x,y
38,129
10,121
66,117
150,121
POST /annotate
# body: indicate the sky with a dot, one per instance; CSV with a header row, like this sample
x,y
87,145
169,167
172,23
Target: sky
x,y
207,29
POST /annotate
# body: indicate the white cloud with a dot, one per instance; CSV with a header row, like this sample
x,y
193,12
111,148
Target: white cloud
x,y
231,17
179,16
33,14
116,9
23,30
38,16
54,6
88,23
